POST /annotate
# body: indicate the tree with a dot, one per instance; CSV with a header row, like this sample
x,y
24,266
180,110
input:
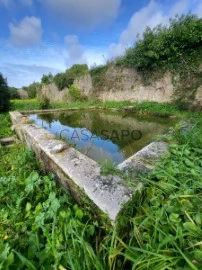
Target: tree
x,y
46,79
61,80
76,71
32,89
4,95
14,94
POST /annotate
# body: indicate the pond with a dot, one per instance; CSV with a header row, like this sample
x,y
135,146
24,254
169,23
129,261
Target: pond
x,y
103,135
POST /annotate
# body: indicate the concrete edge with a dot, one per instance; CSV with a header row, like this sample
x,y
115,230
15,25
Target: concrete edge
x,y
82,175
75,170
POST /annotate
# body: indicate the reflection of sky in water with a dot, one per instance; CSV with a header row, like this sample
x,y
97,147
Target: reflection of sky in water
x,y
96,148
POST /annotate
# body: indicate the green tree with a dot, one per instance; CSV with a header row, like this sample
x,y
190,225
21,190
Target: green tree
x,y
46,79
61,80
167,46
14,93
32,89
76,71
4,95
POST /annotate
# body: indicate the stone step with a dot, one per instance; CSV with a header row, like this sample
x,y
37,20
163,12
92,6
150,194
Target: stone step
x,y
8,140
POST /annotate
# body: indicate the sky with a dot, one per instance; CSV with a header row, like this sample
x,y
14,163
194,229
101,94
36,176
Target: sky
x,y
42,36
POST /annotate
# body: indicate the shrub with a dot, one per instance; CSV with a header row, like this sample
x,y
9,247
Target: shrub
x,y
4,95
44,103
165,46
75,93
66,79
97,74
76,71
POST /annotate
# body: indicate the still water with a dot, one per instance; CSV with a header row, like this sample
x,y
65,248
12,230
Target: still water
x,y
103,135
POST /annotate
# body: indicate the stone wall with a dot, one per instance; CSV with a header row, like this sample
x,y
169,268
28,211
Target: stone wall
x,y
126,84
122,84
51,92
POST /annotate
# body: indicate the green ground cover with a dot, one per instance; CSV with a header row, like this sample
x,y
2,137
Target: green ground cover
x,y
144,108
41,226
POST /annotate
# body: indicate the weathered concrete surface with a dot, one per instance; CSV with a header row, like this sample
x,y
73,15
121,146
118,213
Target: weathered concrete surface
x,y
75,170
142,159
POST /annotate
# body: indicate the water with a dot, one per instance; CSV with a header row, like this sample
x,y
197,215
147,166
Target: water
x,y
103,135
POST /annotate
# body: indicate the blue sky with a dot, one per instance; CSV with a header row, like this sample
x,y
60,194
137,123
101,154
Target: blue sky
x,y
41,36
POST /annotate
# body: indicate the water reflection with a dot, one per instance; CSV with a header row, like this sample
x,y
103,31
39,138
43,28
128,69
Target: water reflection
x,y
103,135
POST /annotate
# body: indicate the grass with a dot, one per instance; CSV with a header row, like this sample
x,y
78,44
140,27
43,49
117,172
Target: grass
x,y
142,109
41,227
5,130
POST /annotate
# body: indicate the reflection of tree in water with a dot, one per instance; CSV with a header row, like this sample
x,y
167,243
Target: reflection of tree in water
x,y
48,118
72,119
113,123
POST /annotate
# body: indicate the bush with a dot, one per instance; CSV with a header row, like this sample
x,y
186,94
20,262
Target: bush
x,y
75,93
66,79
44,103
97,74
76,71
165,46
4,95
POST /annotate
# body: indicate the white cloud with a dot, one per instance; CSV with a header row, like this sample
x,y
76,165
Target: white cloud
x,y
75,51
150,15
26,33
84,13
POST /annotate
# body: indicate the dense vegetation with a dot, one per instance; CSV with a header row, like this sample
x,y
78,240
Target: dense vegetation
x,y
4,95
97,74
167,47
13,92
66,79
41,227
